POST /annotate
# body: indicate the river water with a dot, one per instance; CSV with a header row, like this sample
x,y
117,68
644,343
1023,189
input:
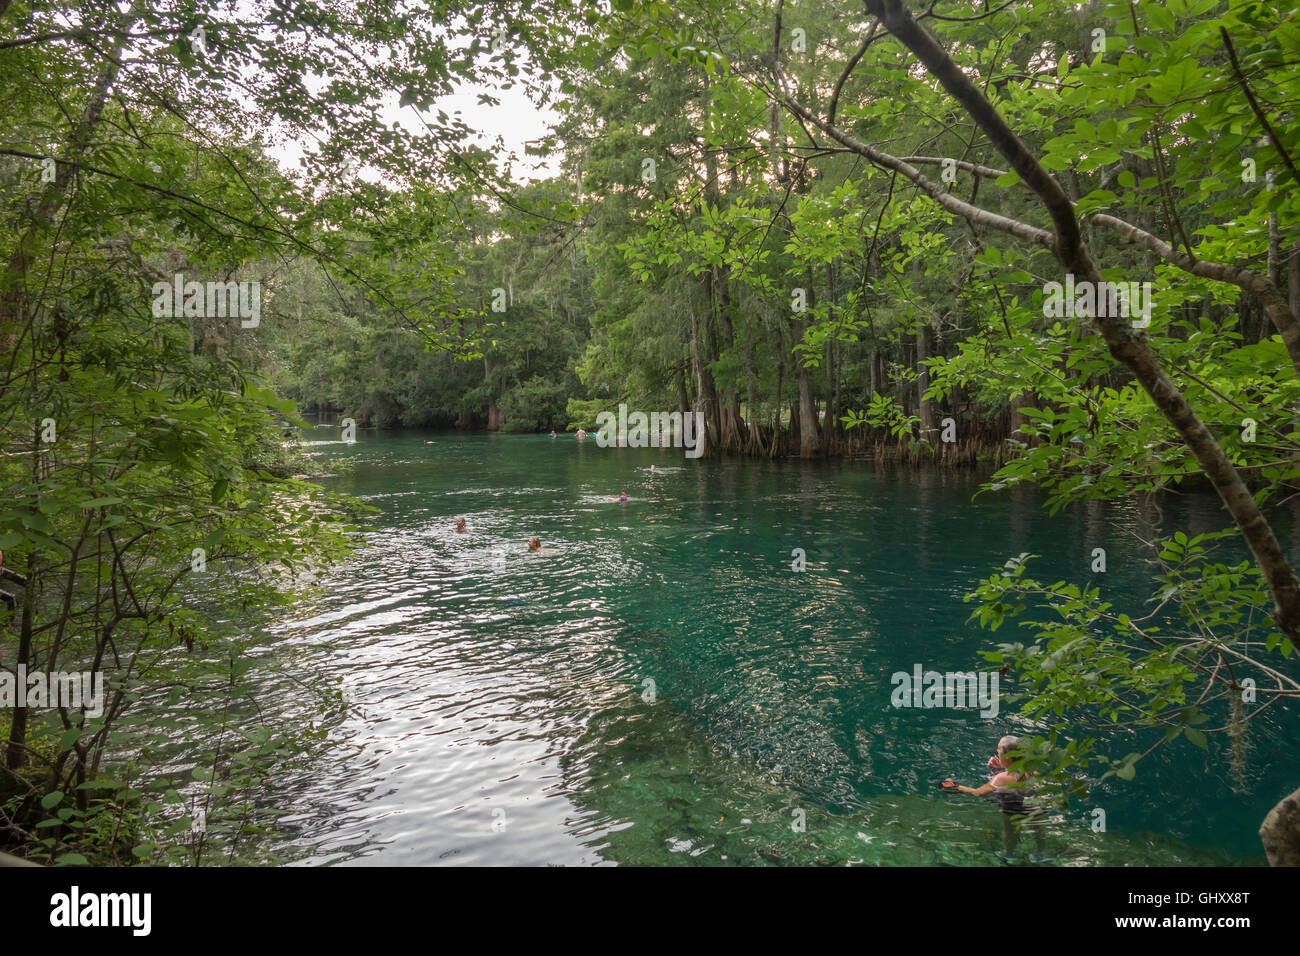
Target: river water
x,y
660,687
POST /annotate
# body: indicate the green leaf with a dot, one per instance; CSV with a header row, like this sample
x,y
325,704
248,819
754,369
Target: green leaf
x,y
99,503
52,799
1159,17
35,521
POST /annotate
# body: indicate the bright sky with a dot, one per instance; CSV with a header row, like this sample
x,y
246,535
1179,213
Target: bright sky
x,y
516,120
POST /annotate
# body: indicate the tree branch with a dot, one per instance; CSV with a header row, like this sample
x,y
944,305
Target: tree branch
x,y
848,70
1121,340
1254,105
1255,283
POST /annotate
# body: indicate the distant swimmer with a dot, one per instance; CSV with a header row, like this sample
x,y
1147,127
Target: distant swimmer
x,y
535,545
427,442
581,434
652,467
460,525
621,498
552,434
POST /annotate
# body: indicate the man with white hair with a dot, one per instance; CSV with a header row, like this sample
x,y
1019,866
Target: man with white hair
x,y
1006,743
1010,797
1008,788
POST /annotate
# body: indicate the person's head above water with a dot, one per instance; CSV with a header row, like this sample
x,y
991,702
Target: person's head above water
x,y
460,524
623,496
534,543
1007,743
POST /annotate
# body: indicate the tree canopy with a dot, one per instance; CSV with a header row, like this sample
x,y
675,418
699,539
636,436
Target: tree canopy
x,y
843,228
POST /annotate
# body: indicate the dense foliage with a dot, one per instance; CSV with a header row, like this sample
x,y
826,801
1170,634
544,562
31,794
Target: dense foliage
x,y
823,225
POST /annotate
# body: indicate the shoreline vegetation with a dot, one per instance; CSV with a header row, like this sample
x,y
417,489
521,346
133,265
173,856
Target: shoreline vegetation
x,y
859,446
868,447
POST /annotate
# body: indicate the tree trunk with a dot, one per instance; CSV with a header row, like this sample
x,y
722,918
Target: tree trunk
x,y
729,406
1280,832
1293,279
754,437
836,432
828,363
828,422
728,410
495,418
777,431
706,390
12,300
925,405
809,444
16,751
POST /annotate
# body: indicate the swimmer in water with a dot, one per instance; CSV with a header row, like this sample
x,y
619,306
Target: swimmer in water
x,y
622,499
552,434
535,546
460,526
1007,788
581,434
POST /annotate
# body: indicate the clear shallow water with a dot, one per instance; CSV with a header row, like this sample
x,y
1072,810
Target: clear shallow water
x,y
501,710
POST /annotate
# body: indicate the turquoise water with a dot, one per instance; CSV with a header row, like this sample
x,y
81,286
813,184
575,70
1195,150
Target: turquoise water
x,y
503,710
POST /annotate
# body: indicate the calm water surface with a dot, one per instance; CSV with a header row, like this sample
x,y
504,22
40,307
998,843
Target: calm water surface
x,y
662,688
